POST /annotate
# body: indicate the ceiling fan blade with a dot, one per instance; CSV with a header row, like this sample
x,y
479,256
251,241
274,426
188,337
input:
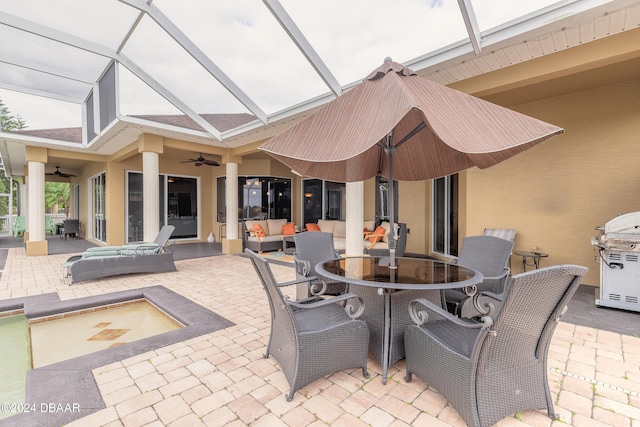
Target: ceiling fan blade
x,y
201,160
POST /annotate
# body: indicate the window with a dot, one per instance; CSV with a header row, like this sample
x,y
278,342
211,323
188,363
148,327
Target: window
x,y
259,197
98,207
323,200
134,207
178,205
75,201
382,199
445,215
181,207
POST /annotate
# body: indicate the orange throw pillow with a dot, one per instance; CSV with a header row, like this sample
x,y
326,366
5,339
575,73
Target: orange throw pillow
x,y
258,230
313,227
377,234
289,229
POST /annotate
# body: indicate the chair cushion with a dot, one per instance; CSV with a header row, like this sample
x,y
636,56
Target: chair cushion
x,y
250,223
317,319
369,225
147,246
274,226
266,239
100,254
326,225
378,245
340,229
386,226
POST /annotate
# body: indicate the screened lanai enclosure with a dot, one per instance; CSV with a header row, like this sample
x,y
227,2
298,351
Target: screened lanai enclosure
x,y
119,93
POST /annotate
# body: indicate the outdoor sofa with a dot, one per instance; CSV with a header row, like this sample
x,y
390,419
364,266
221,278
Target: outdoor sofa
x,y
376,240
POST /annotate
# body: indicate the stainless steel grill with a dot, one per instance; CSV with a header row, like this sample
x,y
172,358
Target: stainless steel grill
x,y
619,247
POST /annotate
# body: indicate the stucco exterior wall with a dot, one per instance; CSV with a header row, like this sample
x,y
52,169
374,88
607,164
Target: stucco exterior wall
x,y
555,194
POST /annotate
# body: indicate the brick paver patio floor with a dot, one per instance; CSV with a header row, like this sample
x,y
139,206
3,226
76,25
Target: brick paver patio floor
x,y
221,379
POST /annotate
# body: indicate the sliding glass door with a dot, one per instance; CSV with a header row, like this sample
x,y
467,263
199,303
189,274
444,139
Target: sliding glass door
x,y
98,207
323,200
178,205
445,215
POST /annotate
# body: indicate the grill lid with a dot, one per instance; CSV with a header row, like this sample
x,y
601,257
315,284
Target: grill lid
x,y
620,233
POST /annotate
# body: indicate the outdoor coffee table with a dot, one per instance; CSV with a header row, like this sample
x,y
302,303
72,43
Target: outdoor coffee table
x,y
288,245
387,293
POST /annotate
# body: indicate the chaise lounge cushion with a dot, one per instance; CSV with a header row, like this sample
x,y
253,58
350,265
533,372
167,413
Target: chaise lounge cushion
x,y
125,249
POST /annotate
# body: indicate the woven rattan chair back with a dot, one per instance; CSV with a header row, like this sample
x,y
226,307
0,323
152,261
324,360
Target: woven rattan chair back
x,y
312,248
491,369
314,337
487,254
315,247
503,233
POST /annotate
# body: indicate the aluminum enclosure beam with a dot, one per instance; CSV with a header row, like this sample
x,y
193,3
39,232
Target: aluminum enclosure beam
x,y
290,27
196,53
95,48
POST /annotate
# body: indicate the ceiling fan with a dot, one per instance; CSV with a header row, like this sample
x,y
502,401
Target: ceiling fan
x,y
60,174
202,161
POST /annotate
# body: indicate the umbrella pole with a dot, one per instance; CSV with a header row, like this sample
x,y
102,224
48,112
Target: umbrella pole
x,y
390,149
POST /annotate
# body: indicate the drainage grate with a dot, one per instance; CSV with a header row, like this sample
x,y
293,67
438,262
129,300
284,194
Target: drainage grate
x,y
580,377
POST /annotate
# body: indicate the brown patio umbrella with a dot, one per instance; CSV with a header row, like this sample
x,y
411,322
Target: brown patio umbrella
x,y
395,118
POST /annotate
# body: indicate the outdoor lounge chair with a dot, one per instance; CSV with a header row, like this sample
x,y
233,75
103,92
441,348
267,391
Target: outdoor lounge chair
x,y
313,248
19,225
148,247
50,226
312,337
70,227
108,261
490,369
489,255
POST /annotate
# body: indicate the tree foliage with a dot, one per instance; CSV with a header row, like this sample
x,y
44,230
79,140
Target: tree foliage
x,y
9,122
57,193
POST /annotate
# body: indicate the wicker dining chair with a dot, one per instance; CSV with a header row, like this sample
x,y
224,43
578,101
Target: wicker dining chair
x,y
503,233
490,369
313,248
489,255
313,337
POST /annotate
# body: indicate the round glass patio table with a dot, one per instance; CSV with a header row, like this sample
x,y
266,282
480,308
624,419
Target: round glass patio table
x,y
416,274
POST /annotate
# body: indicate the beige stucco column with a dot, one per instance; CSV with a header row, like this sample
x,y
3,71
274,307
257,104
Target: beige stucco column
x,y
151,196
36,243
231,244
24,201
151,146
355,217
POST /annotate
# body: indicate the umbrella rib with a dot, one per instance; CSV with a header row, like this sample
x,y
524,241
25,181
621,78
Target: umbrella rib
x,y
410,135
